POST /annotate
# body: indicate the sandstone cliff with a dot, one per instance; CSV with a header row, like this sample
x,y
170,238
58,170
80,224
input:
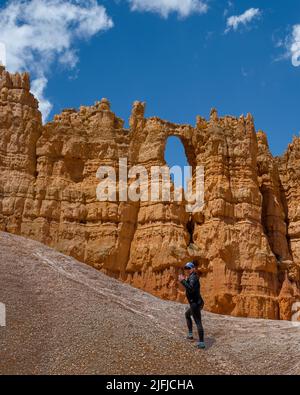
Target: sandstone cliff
x,y
245,240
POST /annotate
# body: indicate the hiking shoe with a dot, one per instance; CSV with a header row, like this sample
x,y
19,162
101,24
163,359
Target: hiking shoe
x,y
201,345
190,336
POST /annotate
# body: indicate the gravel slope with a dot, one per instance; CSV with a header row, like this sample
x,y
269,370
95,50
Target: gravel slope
x,y
64,317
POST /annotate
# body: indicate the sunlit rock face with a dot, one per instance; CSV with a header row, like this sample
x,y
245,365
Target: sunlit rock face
x,y
245,240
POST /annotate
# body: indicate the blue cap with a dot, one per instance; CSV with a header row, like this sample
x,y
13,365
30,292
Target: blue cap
x,y
189,266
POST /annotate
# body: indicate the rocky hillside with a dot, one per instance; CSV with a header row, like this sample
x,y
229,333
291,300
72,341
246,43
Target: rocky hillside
x,y
64,317
245,240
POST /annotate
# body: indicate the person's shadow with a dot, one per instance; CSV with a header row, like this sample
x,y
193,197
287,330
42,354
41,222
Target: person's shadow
x,y
209,342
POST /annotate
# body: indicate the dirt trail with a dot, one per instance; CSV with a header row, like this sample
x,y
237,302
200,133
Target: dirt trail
x,y
64,317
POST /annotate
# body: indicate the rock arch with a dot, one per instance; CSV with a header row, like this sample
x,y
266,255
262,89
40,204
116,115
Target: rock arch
x,y
146,243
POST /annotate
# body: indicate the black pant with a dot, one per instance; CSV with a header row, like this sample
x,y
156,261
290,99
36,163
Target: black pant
x,y
195,311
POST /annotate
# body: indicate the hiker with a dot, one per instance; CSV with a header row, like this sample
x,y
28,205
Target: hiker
x,y
192,286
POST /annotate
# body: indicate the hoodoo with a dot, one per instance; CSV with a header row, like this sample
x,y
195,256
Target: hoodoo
x,y
246,240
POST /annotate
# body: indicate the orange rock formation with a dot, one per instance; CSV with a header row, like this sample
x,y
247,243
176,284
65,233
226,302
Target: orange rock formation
x,y
246,240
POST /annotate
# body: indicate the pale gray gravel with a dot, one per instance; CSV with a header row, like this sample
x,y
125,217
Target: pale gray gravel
x,y
64,317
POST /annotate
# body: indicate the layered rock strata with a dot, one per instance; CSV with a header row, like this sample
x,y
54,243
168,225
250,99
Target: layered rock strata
x,y
245,240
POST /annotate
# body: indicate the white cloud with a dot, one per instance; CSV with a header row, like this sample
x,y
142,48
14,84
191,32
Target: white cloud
x,y
183,8
2,54
234,21
290,43
294,46
38,87
229,6
37,33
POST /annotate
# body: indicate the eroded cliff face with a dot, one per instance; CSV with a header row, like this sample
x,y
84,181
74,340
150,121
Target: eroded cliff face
x,y
289,172
245,240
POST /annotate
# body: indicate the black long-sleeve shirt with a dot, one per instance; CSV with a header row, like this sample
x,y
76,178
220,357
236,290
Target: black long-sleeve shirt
x,y
192,287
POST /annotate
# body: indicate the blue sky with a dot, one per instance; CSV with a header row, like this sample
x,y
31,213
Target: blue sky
x,y
182,67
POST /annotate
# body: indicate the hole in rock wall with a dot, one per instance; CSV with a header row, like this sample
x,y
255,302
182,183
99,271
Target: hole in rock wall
x,y
175,156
